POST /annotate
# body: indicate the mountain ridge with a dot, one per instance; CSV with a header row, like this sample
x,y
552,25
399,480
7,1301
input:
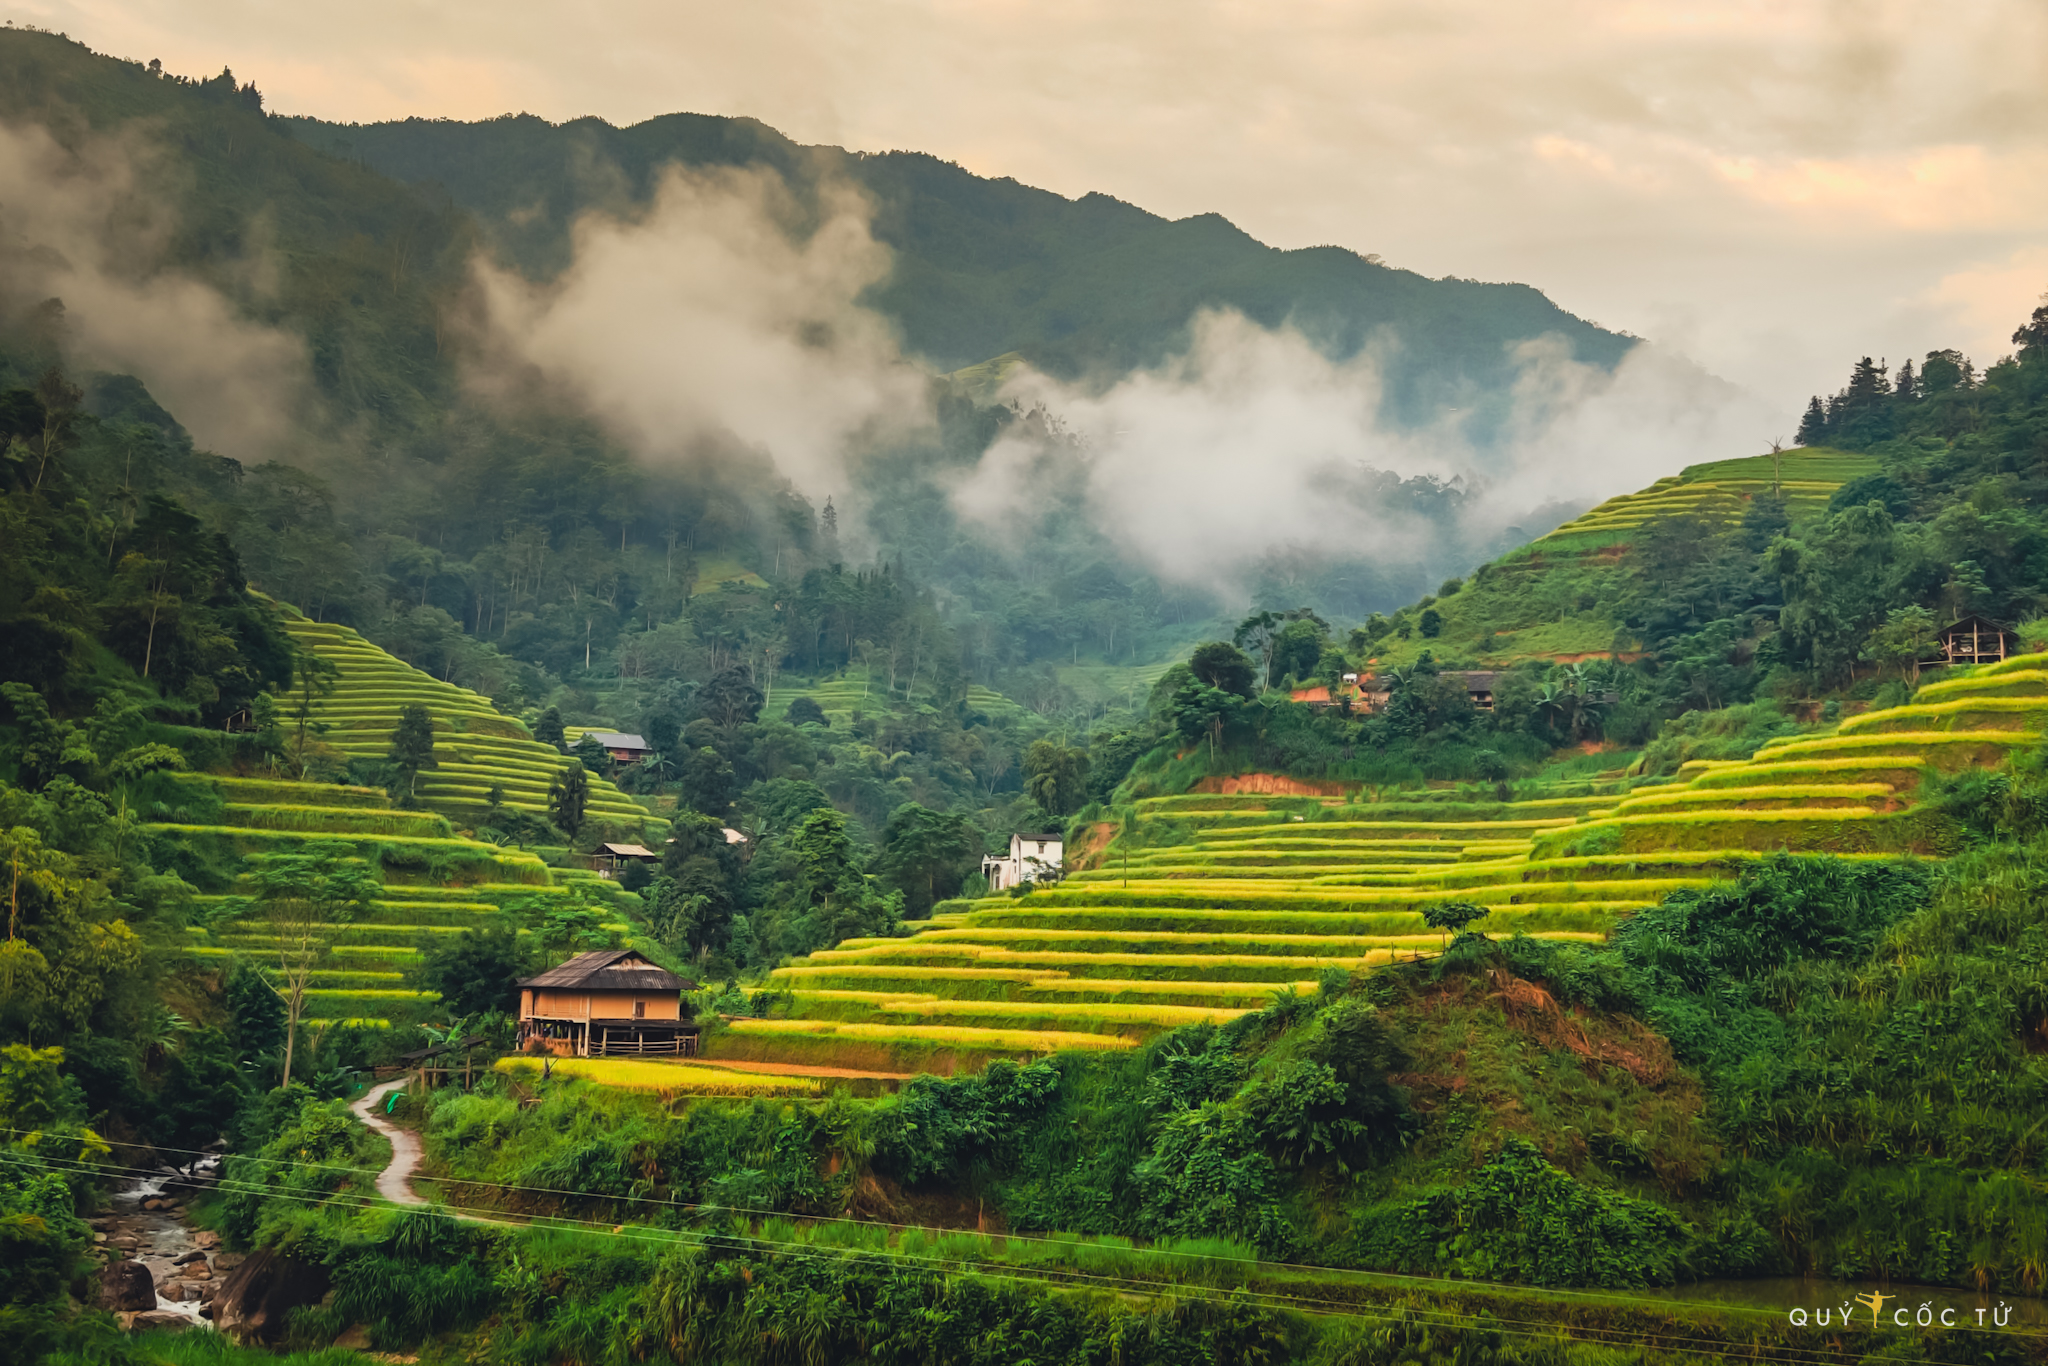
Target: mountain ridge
x,y
1126,267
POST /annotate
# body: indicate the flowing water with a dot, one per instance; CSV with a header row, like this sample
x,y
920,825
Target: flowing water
x,y
186,1264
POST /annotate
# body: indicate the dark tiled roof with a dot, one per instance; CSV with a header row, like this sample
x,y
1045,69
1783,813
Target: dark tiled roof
x,y
609,970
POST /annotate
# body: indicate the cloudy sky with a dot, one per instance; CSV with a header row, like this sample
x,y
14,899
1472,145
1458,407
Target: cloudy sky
x,y
1770,188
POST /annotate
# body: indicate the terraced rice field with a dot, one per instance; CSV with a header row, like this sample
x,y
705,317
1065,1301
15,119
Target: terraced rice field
x,y
435,881
865,690
678,1077
476,746
1721,491
1208,904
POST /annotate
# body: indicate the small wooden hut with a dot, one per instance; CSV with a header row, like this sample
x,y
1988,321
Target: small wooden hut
x,y
1974,640
610,1002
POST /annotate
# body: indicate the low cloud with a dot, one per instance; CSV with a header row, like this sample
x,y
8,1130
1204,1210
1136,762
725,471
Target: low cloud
x,y
88,226
725,310
1254,444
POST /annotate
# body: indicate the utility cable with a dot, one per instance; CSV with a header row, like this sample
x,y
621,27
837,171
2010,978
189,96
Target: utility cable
x,y
1535,1328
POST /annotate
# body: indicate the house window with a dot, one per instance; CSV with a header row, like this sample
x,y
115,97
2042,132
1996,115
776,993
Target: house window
x,y
639,1010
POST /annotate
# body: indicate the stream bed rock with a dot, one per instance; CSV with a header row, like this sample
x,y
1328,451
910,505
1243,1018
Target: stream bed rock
x,y
159,1271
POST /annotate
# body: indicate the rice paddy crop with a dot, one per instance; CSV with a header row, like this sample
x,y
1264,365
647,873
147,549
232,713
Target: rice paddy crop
x,y
1899,772
1973,712
943,1036
1804,793
263,791
1164,941
335,819
1941,749
682,1078
2027,682
1139,1018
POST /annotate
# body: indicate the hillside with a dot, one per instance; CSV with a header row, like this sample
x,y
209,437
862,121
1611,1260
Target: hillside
x,y
380,490
1570,593
433,881
985,267
1199,907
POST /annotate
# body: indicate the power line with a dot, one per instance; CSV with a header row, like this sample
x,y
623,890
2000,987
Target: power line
x,y
1402,1278
1272,1299
1783,1355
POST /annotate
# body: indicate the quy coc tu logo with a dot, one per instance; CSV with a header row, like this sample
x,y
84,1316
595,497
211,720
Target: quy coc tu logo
x,y
1927,1316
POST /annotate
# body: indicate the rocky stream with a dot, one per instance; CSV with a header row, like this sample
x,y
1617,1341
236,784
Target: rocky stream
x,y
157,1270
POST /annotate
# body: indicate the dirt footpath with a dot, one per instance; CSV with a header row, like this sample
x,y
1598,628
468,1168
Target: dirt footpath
x,y
394,1183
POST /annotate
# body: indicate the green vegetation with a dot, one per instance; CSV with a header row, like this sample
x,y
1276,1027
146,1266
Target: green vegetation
x,y
1716,956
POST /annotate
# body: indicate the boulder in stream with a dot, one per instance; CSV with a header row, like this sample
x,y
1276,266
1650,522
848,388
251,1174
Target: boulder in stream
x,y
259,1296
126,1286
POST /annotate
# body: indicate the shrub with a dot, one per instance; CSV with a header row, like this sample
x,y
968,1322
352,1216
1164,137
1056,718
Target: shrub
x,y
1521,1219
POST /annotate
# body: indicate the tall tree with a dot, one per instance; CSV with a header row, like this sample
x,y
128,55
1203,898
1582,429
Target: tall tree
x,y
412,748
478,970
1906,638
728,699
313,678
926,854
569,798
304,897
1813,426
549,729
1056,777
2032,337
1220,664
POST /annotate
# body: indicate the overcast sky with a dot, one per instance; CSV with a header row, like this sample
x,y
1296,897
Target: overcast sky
x,y
1769,188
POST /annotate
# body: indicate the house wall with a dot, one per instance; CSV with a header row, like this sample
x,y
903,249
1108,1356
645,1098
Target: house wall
x,y
600,1005
1029,859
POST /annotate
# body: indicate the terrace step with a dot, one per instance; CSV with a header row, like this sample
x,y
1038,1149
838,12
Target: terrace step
x,y
1874,796
1135,1021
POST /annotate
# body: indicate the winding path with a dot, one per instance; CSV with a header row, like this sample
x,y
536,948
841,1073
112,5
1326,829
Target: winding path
x,y
394,1183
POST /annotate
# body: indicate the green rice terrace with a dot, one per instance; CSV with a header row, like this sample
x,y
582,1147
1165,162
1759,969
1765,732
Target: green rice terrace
x,y
1718,491
436,881
1199,907
858,689
482,748
1563,595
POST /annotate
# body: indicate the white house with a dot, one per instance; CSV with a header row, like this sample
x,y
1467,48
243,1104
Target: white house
x,y
1033,858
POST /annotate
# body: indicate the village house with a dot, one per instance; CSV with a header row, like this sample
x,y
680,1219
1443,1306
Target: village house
x,y
623,748
1032,858
609,1002
610,858
1973,640
1478,685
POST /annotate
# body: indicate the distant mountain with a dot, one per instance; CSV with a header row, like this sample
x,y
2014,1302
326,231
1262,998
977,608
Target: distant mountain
x,y
985,267
357,242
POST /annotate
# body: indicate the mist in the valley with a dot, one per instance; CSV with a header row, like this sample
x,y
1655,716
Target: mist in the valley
x,y
1253,447
88,226
726,310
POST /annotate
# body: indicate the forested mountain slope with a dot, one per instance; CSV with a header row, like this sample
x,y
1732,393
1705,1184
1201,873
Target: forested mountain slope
x,y
984,267
382,491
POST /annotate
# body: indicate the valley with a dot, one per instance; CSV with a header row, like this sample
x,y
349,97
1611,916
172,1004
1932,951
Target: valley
x,y
654,743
